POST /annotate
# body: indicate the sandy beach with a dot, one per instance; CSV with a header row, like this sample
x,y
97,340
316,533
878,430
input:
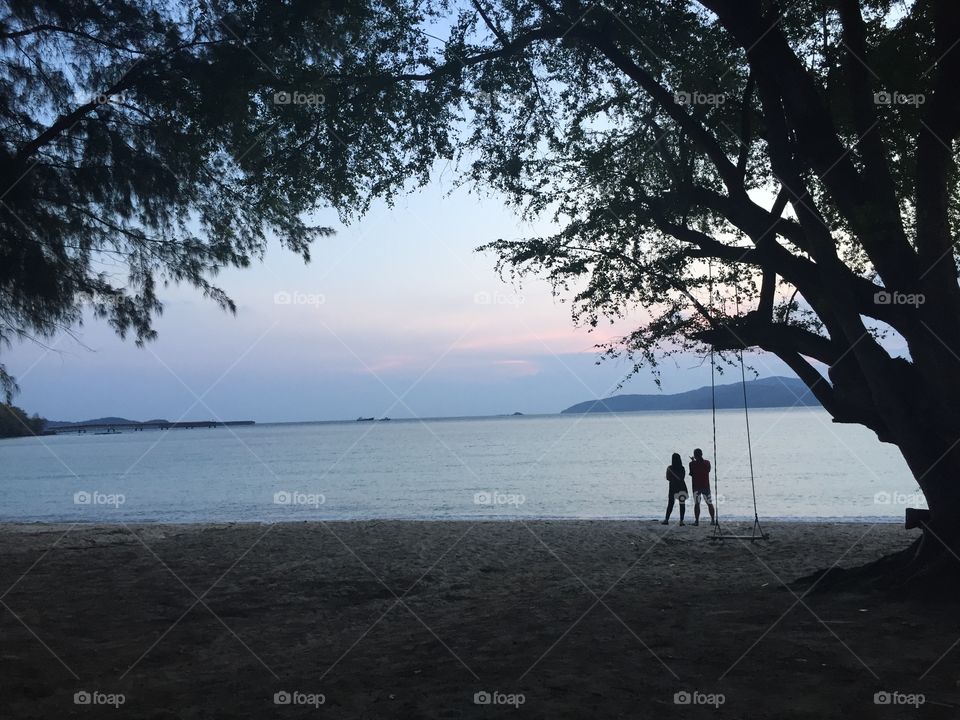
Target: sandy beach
x,y
558,619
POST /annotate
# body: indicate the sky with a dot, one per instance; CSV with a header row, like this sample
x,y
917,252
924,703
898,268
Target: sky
x,y
396,315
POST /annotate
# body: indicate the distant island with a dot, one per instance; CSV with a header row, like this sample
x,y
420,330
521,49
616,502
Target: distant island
x,y
50,424
115,425
765,392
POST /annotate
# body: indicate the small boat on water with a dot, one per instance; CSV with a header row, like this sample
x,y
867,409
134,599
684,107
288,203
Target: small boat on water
x,y
386,419
363,419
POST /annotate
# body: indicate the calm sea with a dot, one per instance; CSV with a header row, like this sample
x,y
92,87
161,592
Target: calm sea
x,y
558,466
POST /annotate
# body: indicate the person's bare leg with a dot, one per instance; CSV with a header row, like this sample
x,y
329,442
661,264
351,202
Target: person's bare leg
x,y
666,520
713,514
696,509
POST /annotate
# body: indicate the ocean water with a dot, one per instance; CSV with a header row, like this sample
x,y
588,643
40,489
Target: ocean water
x,y
557,466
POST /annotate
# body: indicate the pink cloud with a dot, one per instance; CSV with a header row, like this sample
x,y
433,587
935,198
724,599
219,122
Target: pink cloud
x,y
517,368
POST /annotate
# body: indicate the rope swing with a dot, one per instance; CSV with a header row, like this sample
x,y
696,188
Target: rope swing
x,y
757,532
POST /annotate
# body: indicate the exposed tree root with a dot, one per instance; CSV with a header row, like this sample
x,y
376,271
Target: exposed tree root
x,y
925,570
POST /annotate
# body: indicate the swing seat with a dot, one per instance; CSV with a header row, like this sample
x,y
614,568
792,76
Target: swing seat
x,y
756,533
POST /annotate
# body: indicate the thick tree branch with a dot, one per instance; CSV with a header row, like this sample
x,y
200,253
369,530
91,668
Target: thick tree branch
x,y
665,99
501,36
753,219
752,331
511,48
876,176
746,112
47,27
935,163
834,402
878,225
803,274
818,241
768,292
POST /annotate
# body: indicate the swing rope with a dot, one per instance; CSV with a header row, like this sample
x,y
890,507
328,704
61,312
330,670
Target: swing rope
x,y
713,410
746,420
713,405
757,532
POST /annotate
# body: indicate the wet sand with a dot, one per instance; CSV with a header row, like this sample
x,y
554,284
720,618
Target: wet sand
x,y
558,619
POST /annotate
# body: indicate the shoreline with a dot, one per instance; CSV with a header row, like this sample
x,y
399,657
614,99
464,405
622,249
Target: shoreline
x,y
736,520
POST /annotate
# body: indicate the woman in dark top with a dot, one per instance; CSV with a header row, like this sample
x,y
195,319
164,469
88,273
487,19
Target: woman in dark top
x,y
678,488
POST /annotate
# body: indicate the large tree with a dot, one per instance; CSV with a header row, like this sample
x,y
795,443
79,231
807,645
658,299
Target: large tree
x,y
754,173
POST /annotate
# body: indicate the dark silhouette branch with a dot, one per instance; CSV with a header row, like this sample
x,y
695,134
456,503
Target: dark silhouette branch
x,y
48,27
877,224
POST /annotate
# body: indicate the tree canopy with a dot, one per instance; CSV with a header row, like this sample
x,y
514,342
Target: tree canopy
x,y
145,143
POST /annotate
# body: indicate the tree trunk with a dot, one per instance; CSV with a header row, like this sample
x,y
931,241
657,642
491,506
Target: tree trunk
x,y
930,567
934,460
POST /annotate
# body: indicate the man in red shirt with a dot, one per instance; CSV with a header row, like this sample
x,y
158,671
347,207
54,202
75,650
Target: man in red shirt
x,y
700,476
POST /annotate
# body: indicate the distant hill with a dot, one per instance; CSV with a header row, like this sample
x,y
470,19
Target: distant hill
x,y
765,392
96,421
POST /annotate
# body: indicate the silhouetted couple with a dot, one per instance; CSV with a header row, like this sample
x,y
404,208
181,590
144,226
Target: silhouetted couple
x,y
700,478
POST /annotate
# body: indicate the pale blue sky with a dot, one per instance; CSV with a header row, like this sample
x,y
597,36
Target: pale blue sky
x,y
393,304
